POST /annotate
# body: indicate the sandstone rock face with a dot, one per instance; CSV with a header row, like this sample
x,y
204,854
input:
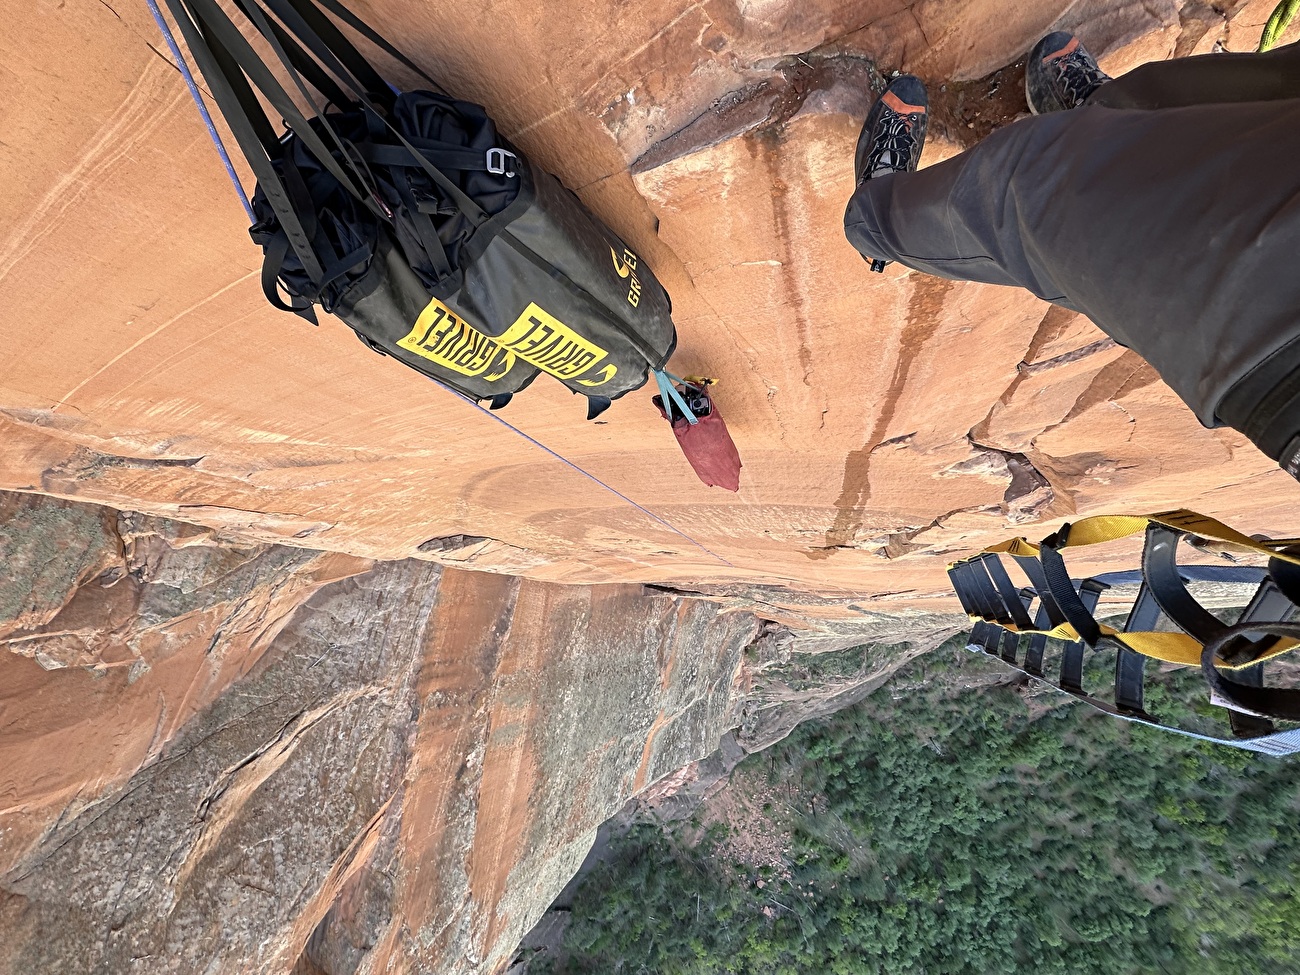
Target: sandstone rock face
x,y
886,422
265,753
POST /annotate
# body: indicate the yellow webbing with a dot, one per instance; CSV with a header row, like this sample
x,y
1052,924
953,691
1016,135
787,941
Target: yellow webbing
x,y
1109,528
1176,648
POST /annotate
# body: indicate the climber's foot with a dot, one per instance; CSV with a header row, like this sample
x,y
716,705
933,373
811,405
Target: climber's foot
x,y
893,134
1060,74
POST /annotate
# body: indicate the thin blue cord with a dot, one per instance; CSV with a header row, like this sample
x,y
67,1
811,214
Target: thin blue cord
x,y
593,477
203,109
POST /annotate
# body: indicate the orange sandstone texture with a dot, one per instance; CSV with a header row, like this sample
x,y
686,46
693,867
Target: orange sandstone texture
x,y
887,423
270,757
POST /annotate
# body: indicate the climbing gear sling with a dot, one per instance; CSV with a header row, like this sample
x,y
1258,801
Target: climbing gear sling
x,y
408,216
1232,658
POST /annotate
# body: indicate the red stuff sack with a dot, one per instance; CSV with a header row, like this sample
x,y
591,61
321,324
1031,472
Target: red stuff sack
x,y
706,443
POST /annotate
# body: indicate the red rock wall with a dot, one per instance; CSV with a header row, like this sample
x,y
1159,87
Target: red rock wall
x,y
884,420
265,759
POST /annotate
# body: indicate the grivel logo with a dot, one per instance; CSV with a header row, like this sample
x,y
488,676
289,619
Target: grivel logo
x,y
626,268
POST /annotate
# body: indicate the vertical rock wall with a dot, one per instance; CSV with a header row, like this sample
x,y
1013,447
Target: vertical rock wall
x,y
221,756
886,422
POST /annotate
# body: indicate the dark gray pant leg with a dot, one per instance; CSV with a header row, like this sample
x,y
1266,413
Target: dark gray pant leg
x,y
1205,80
1174,230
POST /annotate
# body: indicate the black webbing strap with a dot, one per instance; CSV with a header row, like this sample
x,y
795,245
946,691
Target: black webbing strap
x,y
1057,577
1130,667
1167,587
249,133
957,578
1037,646
1015,607
995,606
305,64
213,18
1160,572
1276,702
985,636
472,211
1034,573
370,34
1049,615
441,154
424,227
1286,576
1072,655
371,197
1269,604
329,44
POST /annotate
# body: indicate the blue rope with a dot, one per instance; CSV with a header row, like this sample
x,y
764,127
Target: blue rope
x,y
564,460
203,109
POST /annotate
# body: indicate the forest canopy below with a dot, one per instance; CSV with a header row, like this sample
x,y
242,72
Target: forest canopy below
x,y
963,821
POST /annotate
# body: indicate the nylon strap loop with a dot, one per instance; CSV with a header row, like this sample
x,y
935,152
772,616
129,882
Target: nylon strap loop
x,y
669,392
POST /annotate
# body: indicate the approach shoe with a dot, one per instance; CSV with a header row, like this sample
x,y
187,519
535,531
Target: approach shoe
x,y
1060,74
894,133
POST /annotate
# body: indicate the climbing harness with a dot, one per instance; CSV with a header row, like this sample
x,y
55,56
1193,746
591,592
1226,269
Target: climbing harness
x,y
403,257
1232,658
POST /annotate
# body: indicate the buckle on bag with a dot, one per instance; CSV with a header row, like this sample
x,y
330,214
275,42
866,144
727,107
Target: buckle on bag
x,y
498,162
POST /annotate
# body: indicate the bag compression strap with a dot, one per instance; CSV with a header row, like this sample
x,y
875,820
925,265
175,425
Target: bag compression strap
x,y
214,19
253,134
304,63
261,75
370,34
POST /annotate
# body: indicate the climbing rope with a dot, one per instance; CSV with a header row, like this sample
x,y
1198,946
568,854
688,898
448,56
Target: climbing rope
x,y
564,460
184,69
1277,24
663,379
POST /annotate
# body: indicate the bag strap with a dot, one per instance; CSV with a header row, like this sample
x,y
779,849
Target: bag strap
x,y
296,120
1273,702
370,34
467,206
304,63
330,45
253,133
214,19
444,154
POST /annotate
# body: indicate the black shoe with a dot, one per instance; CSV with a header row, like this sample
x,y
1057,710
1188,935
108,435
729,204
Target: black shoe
x,y
1060,74
893,135
894,132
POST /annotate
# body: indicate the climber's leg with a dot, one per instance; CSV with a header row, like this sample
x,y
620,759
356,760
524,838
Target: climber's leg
x,y
1173,230
1206,79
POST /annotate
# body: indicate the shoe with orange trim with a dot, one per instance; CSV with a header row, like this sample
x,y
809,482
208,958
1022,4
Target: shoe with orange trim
x,y
894,132
893,135
1060,74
